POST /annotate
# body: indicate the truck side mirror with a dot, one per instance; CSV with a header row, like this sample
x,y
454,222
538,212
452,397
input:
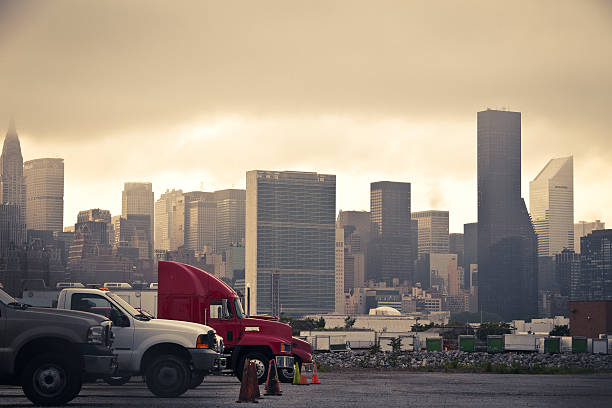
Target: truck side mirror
x,y
225,311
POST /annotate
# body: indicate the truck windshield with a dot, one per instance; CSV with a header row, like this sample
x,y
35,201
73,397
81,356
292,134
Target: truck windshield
x,y
126,306
6,298
239,311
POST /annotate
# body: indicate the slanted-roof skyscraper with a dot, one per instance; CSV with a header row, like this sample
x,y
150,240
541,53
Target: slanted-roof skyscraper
x,y
507,244
551,205
12,184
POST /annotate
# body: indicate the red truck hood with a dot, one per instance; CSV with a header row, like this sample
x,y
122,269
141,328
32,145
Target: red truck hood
x,y
267,327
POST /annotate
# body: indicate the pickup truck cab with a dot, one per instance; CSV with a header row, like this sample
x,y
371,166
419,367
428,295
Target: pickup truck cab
x,y
50,352
173,356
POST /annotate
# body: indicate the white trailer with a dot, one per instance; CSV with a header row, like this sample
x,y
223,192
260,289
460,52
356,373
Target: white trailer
x,y
600,346
520,342
407,341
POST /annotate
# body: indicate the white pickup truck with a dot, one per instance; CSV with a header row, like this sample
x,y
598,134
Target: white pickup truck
x,y
173,356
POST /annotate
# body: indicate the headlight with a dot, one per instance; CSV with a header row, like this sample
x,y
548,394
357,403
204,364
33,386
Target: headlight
x,y
220,347
96,335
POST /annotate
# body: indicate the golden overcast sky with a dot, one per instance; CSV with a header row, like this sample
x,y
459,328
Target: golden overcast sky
x,y
185,94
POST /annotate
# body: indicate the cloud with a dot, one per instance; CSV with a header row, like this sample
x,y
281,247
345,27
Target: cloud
x,y
195,91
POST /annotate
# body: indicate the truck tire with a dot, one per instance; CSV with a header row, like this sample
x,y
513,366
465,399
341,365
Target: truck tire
x,y
117,380
285,375
168,376
197,377
261,362
51,379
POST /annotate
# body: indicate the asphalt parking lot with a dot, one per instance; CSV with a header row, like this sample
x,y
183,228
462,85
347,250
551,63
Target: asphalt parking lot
x,y
366,389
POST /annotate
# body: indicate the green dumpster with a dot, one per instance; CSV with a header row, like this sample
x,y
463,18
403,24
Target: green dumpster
x,y
579,345
552,345
434,344
495,344
467,343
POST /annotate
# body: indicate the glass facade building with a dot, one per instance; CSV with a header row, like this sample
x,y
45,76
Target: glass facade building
x,y
507,244
44,181
390,254
593,281
290,240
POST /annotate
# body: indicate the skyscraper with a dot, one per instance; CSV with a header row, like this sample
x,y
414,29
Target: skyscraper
x,y
551,204
584,228
356,226
169,220
290,236
44,181
390,254
594,280
470,250
231,210
138,199
433,231
12,185
507,244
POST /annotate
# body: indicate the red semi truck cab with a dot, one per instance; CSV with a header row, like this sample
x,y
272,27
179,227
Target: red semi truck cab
x,y
193,295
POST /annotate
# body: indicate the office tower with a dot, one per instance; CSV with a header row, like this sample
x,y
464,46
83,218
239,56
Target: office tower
x,y
12,185
231,210
98,215
567,267
138,199
11,231
339,272
551,205
584,228
390,256
356,226
44,181
169,220
200,225
133,232
456,246
359,223
470,250
594,277
433,231
507,244
290,236
440,266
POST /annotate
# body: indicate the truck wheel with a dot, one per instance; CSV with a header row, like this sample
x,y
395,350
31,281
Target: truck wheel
x,y
117,380
51,379
197,377
168,376
261,362
285,375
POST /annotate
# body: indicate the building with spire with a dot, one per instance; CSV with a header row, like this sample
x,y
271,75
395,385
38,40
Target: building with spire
x,y
12,191
12,185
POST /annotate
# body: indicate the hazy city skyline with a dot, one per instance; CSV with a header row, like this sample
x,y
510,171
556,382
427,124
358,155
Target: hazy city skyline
x,y
210,91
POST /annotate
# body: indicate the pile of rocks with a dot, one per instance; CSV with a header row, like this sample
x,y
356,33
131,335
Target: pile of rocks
x,y
459,359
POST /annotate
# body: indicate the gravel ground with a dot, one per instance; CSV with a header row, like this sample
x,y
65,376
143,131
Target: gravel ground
x,y
367,388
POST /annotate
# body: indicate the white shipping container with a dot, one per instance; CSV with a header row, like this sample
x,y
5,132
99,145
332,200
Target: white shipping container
x,y
566,344
519,342
600,346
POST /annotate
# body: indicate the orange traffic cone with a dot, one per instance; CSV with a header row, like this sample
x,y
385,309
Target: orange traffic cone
x,y
303,379
253,383
245,390
315,376
272,383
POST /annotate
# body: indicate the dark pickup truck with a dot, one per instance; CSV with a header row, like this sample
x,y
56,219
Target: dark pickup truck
x,y
50,352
